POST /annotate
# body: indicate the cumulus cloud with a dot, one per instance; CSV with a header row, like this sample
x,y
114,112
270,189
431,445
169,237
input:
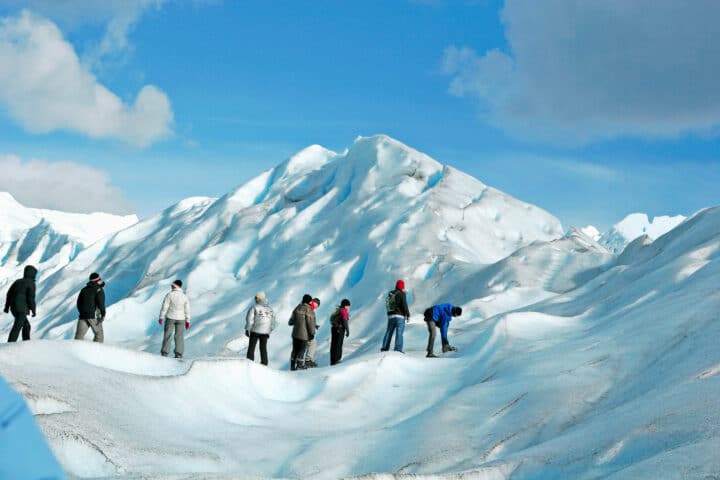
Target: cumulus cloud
x,y
65,186
586,70
46,88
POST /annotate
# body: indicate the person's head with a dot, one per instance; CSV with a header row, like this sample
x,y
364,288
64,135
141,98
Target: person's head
x,y
456,311
95,278
29,272
345,303
177,284
307,299
315,303
400,285
260,297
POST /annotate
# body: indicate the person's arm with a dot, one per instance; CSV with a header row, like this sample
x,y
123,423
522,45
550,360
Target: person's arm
x,y
250,319
165,306
404,306
30,295
345,316
186,307
310,323
273,321
8,297
100,302
444,329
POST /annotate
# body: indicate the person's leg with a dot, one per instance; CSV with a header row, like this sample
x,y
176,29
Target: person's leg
x,y
26,329
310,353
81,329
400,327
97,330
263,348
167,337
179,338
388,334
431,337
334,336
18,325
302,346
251,346
340,345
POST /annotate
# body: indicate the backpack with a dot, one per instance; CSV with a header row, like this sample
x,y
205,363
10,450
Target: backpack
x,y
391,302
335,319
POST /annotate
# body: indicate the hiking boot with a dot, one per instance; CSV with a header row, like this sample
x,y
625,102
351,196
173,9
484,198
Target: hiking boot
x,y
431,355
449,348
293,365
310,364
178,355
301,366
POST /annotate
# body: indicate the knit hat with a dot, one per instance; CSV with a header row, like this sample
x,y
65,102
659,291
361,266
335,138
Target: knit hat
x,y
95,277
307,298
345,303
260,296
400,285
178,283
317,301
456,311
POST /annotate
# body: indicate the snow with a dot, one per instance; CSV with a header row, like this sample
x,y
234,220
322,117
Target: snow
x,y
572,362
636,225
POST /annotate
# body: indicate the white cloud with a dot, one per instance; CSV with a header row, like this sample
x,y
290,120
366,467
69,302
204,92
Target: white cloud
x,y
65,186
46,88
118,16
586,70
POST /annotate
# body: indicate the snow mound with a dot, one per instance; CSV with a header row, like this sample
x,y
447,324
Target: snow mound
x,y
636,225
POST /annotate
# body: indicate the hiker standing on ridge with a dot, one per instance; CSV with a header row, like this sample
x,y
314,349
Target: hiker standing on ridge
x,y
91,309
397,314
259,323
303,323
312,344
20,301
340,328
440,316
176,311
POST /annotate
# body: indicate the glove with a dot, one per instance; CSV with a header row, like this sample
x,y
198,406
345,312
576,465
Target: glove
x,y
187,325
160,320
347,332
247,334
7,310
33,314
101,319
407,319
311,337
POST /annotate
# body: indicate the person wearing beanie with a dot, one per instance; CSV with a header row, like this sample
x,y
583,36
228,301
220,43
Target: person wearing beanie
x,y
398,314
440,316
312,344
304,326
91,309
259,323
340,328
20,301
176,312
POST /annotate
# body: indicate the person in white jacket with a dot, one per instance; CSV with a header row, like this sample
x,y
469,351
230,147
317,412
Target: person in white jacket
x,y
175,311
259,323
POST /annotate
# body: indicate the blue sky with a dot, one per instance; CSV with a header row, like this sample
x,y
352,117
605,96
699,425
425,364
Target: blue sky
x,y
591,110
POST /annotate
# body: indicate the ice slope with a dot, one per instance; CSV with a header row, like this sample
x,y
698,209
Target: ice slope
x,y
335,225
617,378
636,225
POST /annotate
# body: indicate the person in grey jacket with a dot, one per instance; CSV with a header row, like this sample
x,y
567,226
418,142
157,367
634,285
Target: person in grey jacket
x,y
303,323
176,311
259,323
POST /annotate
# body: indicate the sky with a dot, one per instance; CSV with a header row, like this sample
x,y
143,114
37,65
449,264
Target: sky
x,y
590,109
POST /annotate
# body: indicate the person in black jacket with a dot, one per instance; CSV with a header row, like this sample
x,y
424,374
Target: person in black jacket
x,y
91,309
20,301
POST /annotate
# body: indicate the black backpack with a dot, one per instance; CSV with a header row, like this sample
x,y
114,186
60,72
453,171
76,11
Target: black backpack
x,y
391,302
335,319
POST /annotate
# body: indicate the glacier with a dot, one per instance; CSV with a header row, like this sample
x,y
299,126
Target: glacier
x,y
573,362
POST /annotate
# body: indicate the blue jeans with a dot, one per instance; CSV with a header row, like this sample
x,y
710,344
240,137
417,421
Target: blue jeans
x,y
396,322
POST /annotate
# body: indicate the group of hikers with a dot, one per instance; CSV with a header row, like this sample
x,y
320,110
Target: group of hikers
x,y
259,321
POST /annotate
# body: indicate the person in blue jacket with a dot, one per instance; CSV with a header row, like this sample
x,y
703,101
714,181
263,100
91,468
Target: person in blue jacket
x,y
440,316
24,453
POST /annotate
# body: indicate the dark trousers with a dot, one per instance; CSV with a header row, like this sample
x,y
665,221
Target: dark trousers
x,y
21,323
263,338
431,335
336,343
297,356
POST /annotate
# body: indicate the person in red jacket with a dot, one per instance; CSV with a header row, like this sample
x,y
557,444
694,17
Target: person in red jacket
x,y
340,328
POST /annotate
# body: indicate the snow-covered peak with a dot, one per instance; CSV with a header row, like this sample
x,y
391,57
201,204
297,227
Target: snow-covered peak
x,y
636,225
